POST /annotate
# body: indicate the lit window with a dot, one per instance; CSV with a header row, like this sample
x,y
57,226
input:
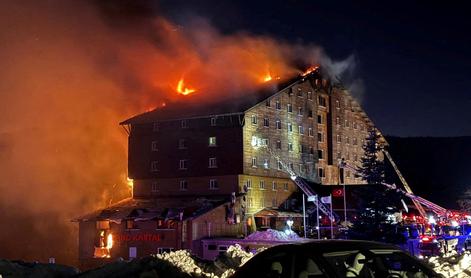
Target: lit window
x,y
154,146
184,124
213,184
274,186
320,138
254,162
212,141
289,107
213,121
290,127
278,124
183,164
254,119
154,166
183,185
266,122
182,144
278,105
213,162
154,187
337,104
290,147
310,132
262,185
301,129
266,164
285,186
278,145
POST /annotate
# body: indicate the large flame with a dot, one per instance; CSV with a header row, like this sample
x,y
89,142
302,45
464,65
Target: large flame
x,y
181,89
309,70
109,241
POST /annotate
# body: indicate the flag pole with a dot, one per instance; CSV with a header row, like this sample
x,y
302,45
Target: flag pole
x,y
345,204
304,214
331,220
318,226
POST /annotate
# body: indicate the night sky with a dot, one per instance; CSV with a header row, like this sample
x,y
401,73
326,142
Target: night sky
x,y
412,60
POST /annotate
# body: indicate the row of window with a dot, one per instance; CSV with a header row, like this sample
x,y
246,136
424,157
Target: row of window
x,y
347,140
213,185
347,156
183,143
274,185
183,164
346,123
184,124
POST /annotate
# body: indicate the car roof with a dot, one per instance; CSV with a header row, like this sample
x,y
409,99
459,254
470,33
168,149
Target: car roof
x,y
335,245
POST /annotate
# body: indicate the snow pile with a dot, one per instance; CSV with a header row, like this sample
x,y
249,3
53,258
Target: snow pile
x,y
183,260
455,265
228,262
273,235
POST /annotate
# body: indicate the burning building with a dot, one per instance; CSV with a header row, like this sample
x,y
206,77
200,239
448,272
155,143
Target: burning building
x,y
196,174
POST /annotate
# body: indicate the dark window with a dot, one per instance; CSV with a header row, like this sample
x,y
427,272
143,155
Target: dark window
x,y
278,145
266,122
320,153
278,104
267,103
184,124
319,119
289,107
322,101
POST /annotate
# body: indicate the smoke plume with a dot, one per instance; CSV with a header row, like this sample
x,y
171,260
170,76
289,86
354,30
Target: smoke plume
x,y
70,72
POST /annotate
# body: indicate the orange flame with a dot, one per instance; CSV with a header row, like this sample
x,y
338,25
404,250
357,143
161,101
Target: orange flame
x,y
181,89
309,70
109,241
268,77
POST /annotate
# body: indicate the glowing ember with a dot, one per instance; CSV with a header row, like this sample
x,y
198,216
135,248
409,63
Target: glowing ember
x,y
309,70
181,89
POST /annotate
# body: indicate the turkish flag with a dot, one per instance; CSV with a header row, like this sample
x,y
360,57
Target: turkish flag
x,y
337,192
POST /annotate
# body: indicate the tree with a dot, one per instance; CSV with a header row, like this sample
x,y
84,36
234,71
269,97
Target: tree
x,y
372,169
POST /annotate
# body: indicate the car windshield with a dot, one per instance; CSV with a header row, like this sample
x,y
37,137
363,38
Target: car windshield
x,y
374,263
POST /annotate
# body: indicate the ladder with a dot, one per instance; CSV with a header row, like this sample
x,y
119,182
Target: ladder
x,y
417,204
301,183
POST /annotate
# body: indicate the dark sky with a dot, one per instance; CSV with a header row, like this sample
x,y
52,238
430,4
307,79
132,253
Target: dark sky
x,y
413,59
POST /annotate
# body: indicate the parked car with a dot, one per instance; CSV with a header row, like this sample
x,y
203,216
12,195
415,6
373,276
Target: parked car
x,y
431,245
335,258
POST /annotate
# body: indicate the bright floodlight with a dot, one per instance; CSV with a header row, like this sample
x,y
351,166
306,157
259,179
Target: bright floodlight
x,y
289,222
454,223
431,220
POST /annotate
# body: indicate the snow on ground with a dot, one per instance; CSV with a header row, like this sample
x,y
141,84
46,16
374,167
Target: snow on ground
x,y
273,235
455,265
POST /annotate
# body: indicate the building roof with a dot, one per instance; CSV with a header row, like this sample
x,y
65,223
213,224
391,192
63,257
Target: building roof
x,y
194,108
178,208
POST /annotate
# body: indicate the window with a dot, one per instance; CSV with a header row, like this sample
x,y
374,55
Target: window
x,y
301,168
154,147
289,107
278,105
347,124
266,122
278,124
300,111
319,119
213,121
355,157
322,101
303,148
183,164
280,166
301,129
290,127
339,139
299,93
321,173
311,150
183,185
212,162
254,162
182,144
355,142
212,141
184,124
254,119
274,186
320,138
154,187
153,166
278,145
337,121
337,104
355,126
290,147
132,252
320,154
309,95
310,132
309,113
291,166
262,185
248,183
285,186
249,202
264,142
347,140
266,164
267,103
156,127
213,184
130,224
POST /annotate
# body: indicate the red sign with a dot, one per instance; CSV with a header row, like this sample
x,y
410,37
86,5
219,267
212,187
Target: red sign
x,y
137,237
337,192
